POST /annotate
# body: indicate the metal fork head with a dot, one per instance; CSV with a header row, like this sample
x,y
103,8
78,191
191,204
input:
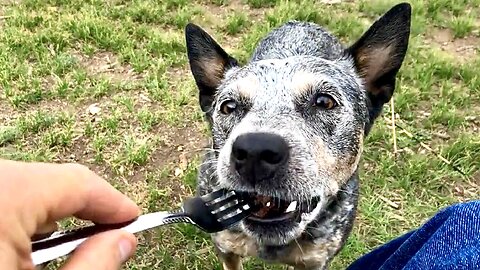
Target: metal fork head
x,y
216,211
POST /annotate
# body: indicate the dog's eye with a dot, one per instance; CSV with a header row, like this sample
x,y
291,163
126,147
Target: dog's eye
x,y
228,106
325,101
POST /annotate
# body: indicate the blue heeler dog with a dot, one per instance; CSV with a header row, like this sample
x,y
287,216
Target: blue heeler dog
x,y
288,128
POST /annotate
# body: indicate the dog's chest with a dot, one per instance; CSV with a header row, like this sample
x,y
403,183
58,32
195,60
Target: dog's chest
x,y
303,253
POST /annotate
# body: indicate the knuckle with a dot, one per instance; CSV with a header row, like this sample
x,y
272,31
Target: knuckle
x,y
82,174
79,169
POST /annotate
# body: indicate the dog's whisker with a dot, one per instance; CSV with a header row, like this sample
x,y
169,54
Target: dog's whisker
x,y
211,150
299,247
208,164
307,232
210,161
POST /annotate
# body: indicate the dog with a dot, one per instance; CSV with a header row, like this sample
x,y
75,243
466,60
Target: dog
x,y
287,128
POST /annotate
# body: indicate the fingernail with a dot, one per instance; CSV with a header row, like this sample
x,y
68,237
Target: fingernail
x,y
126,248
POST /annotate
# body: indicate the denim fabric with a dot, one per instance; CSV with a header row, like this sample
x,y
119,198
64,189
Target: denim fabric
x,y
449,240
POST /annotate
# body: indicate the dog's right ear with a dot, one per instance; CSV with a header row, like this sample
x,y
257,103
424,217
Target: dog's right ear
x,y
208,62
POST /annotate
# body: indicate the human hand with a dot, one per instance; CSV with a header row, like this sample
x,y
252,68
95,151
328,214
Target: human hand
x,y
33,196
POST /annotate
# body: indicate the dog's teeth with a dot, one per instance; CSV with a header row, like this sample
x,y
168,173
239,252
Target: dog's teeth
x,y
291,207
268,204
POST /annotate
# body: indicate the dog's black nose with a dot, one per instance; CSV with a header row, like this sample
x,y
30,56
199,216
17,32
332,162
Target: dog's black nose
x,y
257,156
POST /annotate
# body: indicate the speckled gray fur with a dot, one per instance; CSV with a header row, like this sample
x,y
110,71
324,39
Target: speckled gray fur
x,y
274,94
289,40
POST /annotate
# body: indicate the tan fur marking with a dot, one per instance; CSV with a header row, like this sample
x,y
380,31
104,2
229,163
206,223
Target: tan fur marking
x,y
248,86
213,69
302,82
357,157
238,243
306,254
351,162
232,263
372,61
339,169
324,157
327,164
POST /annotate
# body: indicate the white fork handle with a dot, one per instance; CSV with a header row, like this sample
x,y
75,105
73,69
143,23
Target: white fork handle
x,y
142,223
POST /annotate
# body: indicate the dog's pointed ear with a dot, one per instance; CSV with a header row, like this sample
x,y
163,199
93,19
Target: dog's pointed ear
x,y
379,54
208,62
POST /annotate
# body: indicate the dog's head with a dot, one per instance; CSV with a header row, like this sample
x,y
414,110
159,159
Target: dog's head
x,y
288,126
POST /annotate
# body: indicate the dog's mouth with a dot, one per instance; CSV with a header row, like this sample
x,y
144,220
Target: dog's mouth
x,y
268,209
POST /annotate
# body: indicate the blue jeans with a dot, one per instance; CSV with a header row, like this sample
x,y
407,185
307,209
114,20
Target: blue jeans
x,y
449,240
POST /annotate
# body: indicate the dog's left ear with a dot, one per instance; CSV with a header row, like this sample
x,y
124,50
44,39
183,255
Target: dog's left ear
x,y
379,54
208,62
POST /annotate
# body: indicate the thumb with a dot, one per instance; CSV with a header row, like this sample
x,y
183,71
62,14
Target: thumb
x,y
108,250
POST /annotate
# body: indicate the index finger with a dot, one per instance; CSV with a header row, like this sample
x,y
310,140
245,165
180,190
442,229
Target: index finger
x,y
55,191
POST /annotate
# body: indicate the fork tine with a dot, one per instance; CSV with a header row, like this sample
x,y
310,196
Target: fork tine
x,y
214,195
222,202
234,219
232,211
219,212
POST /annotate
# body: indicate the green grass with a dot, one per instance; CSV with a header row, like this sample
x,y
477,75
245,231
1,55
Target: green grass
x,y
261,3
236,23
58,57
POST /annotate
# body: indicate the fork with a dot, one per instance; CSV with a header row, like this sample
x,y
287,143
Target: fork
x,y
212,212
